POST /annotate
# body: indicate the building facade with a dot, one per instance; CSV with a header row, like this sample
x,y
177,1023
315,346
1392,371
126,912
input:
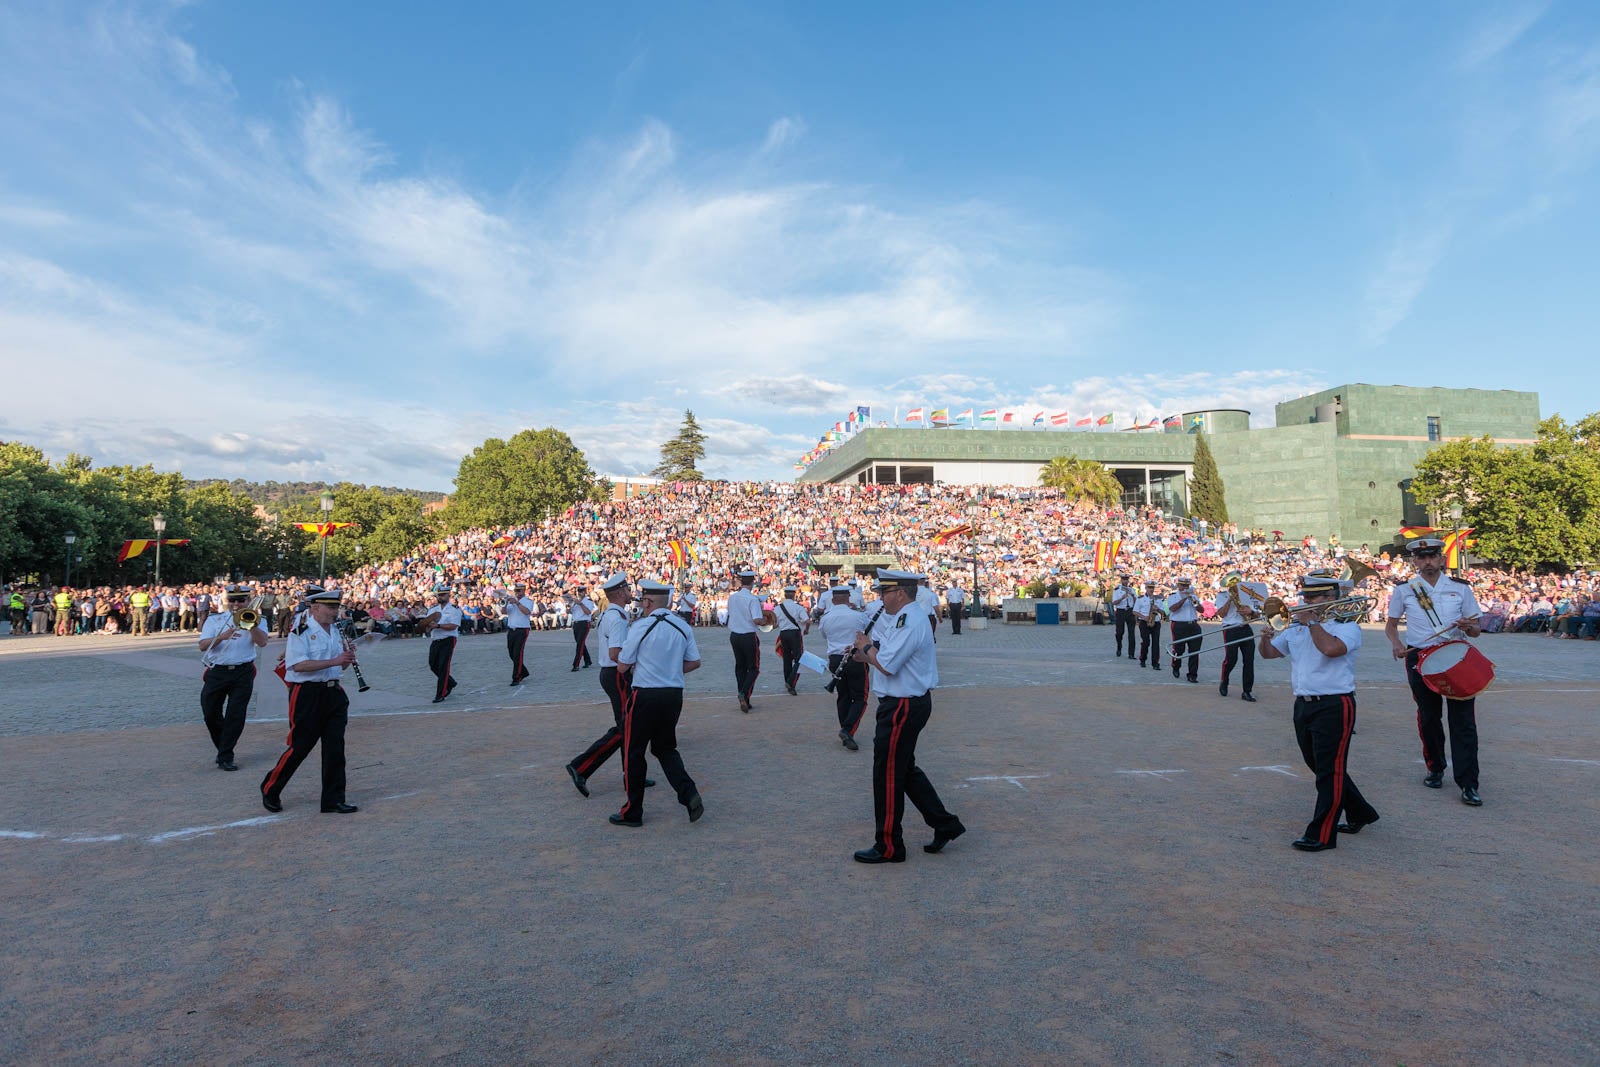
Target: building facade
x,y
1336,462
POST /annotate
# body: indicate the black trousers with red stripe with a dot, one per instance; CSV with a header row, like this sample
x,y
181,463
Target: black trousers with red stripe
x,y
226,688
1186,642
1322,726
746,663
896,776
792,644
1150,643
1431,710
318,712
850,695
580,636
650,720
440,653
594,757
1245,649
516,641
1123,620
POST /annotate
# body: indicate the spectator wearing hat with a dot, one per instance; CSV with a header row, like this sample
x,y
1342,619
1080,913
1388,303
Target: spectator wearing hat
x,y
519,620
318,707
793,624
581,611
442,624
1434,605
613,681
658,652
1184,611
1322,671
1147,610
839,625
229,678
745,614
1122,598
907,673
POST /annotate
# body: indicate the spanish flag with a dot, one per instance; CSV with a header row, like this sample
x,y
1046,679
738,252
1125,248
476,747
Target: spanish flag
x,y
137,545
502,541
1411,532
1455,545
322,529
1105,554
955,531
682,553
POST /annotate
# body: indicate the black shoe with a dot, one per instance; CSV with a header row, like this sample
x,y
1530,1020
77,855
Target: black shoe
x,y
1194,681
872,855
1174,674
1223,688
1141,664
1247,698
339,809
1309,844
451,688
574,670
227,764
1355,827
648,782
271,803
1469,797
438,700
847,741
1435,780
577,779
697,808
792,692
618,820
744,705
942,838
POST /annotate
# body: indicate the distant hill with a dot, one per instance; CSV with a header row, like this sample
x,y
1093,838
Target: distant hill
x,y
272,495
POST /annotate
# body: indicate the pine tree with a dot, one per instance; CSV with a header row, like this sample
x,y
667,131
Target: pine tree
x,y
682,451
1207,498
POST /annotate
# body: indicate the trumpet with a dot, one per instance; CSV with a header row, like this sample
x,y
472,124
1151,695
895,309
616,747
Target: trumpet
x,y
1280,616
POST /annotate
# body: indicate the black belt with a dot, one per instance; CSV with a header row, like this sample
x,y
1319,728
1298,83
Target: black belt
x,y
331,683
1325,696
231,666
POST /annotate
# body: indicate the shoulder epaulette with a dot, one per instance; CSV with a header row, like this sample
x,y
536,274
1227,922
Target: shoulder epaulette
x,y
301,628
1459,581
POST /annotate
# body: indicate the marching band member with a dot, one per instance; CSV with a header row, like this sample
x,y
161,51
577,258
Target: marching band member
x,y
442,625
519,620
903,654
1322,670
687,602
1184,611
1433,602
581,611
858,599
318,706
793,625
1147,612
1236,606
658,652
839,625
928,600
613,681
1122,598
745,613
230,673
955,599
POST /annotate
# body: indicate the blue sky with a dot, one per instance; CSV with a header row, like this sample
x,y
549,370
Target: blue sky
x,y
303,240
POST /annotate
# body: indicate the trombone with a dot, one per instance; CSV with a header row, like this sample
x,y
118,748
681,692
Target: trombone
x,y
1279,616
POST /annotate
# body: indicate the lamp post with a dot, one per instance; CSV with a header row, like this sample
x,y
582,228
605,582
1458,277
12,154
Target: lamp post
x,y
327,511
159,521
72,538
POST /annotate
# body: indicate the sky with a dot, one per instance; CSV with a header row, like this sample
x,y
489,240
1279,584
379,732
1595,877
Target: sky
x,y
311,241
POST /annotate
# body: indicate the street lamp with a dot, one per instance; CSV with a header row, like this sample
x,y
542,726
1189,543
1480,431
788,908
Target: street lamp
x,y
327,510
72,538
160,524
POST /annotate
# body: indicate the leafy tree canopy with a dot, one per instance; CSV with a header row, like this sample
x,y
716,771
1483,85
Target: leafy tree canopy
x,y
509,483
1207,498
1081,479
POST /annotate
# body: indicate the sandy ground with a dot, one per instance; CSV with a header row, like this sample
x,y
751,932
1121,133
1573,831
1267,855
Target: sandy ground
x,y
1126,892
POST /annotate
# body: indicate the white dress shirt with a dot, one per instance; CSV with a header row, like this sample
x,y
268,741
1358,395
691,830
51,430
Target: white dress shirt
x,y
906,663
783,610
519,613
446,613
309,641
613,633
1188,613
657,647
230,653
744,611
1310,672
839,626
1453,600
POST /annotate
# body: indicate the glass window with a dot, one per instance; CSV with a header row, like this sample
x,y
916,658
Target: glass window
x,y
916,475
1433,428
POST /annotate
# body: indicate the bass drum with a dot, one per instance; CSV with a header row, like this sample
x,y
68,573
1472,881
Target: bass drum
x,y
1455,670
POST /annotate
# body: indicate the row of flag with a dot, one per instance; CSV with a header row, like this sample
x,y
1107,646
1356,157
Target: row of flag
x,y
998,417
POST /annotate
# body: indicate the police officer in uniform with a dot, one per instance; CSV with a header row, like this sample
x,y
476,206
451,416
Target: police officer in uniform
x,y
613,681
442,624
139,609
793,625
1147,613
581,611
745,613
519,620
1122,599
1184,611
1236,606
1430,603
318,707
658,652
230,674
901,651
839,625
1322,670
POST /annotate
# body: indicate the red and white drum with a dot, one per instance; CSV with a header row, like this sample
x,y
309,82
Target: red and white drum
x,y
1455,670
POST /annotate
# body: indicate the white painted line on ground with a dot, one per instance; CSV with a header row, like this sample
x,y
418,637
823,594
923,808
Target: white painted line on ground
x,y
91,839
1585,762
400,796
1162,774
199,831
1276,768
23,835
1014,779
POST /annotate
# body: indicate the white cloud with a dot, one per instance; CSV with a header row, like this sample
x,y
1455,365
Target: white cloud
x,y
1498,33
783,133
1400,280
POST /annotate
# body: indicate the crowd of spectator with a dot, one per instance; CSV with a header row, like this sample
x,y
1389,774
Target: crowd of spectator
x,y
1026,542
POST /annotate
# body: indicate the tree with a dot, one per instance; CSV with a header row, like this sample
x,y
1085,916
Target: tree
x,y
681,453
1207,498
1081,479
1527,505
507,483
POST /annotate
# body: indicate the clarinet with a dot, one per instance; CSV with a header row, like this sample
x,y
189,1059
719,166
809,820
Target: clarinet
x,y
838,672
355,668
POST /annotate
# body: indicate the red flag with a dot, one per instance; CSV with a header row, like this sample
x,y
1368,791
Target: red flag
x,y
1085,421
322,529
501,541
137,545
955,531
1060,418
1410,532
1455,544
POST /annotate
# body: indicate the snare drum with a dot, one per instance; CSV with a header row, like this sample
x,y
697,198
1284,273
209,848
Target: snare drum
x,y
1455,669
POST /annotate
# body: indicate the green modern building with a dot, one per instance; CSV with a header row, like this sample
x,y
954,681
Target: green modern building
x,y
1336,462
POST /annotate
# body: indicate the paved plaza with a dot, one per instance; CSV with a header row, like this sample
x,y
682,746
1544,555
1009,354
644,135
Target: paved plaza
x,y
1126,892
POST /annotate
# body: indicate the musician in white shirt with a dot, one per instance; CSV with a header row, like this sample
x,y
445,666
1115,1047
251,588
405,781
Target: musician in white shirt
x,y
660,649
745,614
1184,611
793,624
519,611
